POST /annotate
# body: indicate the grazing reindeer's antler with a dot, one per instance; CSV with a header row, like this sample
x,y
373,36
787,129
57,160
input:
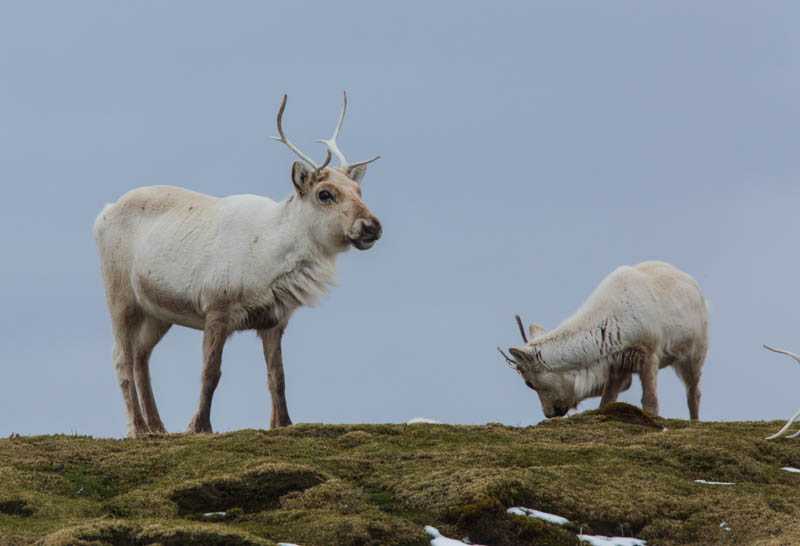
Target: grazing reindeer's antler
x,y
334,148
509,360
794,417
521,328
294,148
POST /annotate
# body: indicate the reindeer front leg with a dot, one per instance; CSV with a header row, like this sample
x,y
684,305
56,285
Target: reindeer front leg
x,y
271,340
647,375
615,383
215,332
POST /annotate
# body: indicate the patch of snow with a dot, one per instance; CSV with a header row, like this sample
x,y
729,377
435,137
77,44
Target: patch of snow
x,y
790,469
286,544
714,483
531,513
210,514
416,420
725,526
600,540
439,540
594,540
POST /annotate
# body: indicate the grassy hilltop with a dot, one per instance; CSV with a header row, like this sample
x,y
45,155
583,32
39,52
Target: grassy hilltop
x,y
614,471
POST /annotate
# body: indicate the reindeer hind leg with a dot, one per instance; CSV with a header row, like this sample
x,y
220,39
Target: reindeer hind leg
x,y
150,333
688,368
125,323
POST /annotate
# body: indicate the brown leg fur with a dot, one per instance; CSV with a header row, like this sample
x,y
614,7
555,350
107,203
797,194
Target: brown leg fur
x,y
124,323
647,375
150,333
693,399
271,340
689,372
215,333
616,379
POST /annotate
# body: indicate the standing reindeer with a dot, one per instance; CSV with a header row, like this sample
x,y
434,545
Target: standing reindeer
x,y
638,320
169,256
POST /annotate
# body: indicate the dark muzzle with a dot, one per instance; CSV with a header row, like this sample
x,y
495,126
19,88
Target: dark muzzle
x,y
368,231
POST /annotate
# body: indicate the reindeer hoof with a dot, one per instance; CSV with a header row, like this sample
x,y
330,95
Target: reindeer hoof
x,y
138,433
199,426
158,430
278,423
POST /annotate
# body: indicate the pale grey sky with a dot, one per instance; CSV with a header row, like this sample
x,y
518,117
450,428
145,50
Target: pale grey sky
x,y
528,149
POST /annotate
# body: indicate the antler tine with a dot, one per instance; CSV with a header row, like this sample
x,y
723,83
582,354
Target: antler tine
x,y
351,165
796,357
331,142
782,431
325,164
509,360
521,329
334,148
286,141
794,417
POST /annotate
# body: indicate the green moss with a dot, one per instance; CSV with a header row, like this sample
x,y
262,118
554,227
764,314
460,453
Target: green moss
x,y
16,507
328,527
488,522
626,413
253,491
88,481
615,471
128,534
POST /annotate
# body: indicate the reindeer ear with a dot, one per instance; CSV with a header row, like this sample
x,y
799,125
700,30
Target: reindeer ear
x,y
356,172
526,359
536,330
301,177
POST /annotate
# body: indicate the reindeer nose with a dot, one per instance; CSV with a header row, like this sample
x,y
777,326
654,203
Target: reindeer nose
x,y
373,229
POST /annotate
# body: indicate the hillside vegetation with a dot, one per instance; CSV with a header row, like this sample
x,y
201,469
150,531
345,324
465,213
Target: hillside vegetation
x,y
614,471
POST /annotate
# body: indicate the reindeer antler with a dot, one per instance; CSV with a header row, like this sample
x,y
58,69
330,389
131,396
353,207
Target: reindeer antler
x,y
294,148
509,360
333,147
782,351
331,142
794,417
521,329
782,431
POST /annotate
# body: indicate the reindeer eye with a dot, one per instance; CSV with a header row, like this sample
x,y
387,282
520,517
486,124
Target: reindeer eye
x,y
530,385
325,196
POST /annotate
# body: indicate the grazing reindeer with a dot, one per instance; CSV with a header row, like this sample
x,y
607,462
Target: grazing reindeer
x,y
172,256
618,381
794,417
638,320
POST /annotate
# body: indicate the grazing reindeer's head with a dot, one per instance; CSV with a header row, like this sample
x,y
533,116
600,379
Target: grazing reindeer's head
x,y
556,393
330,197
